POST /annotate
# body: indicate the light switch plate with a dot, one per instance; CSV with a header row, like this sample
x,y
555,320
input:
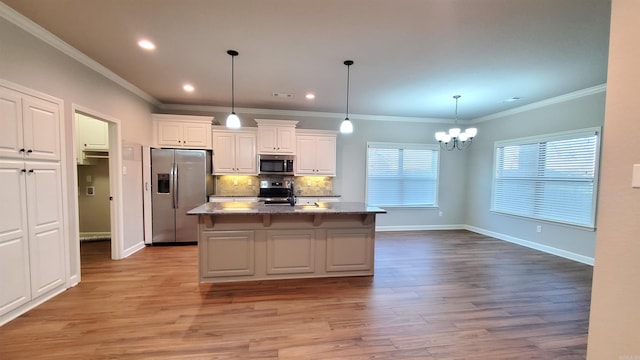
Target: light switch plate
x,y
635,178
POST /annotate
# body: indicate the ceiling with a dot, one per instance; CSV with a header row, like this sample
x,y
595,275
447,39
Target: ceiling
x,y
411,56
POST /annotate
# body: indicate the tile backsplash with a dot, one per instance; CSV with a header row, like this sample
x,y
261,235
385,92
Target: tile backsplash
x,y
242,185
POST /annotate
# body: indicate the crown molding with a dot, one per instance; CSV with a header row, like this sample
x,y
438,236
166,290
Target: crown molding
x,y
554,100
41,33
298,113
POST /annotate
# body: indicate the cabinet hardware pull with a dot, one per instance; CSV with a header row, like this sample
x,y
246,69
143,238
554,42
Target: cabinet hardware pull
x,y
30,171
21,150
23,170
29,151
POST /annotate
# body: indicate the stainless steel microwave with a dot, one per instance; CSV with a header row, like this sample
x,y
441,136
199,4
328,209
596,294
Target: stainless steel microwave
x,y
276,164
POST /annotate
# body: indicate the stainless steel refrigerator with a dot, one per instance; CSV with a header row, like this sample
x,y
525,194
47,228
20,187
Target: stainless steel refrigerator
x,y
181,181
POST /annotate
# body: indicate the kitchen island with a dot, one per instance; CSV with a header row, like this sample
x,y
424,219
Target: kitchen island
x,y
241,241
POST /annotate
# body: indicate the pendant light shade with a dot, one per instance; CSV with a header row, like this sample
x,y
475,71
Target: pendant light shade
x,y
233,122
346,127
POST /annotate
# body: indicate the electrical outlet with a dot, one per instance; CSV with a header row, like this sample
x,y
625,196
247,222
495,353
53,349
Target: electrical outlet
x,y
235,182
249,182
440,213
539,228
308,182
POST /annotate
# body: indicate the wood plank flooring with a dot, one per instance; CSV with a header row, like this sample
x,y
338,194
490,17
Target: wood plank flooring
x,y
435,295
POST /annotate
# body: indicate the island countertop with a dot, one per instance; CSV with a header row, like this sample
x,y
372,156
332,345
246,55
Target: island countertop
x,y
253,208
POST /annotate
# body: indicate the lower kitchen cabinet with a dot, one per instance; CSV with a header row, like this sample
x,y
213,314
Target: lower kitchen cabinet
x,y
291,251
32,258
227,253
259,254
349,249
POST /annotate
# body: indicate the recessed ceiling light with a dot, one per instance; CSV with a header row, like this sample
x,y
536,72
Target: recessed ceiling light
x,y
146,44
188,87
310,96
512,99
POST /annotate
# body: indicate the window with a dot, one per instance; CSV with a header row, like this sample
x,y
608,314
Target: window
x,y
402,174
551,177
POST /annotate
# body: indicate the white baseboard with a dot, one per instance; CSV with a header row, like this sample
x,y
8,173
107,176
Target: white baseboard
x,y
133,249
530,244
95,235
419,227
533,245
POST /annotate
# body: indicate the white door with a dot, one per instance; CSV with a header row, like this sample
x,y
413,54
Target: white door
x,y
246,159
46,240
41,126
14,247
11,119
325,151
224,161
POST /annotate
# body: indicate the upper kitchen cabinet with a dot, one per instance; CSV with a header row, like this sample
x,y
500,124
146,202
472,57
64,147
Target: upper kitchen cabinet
x,y
182,131
316,152
276,136
234,151
29,126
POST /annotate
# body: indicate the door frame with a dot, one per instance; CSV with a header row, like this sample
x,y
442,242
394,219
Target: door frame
x,y
115,180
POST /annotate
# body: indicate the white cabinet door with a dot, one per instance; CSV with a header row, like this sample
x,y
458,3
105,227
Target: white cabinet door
x,y
41,121
276,139
46,238
306,157
316,155
291,251
182,131
224,159
349,249
170,133
325,155
234,153
30,127
93,134
195,136
14,237
11,139
246,157
227,253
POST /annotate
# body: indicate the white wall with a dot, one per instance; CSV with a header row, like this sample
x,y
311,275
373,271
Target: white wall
x,y
31,63
579,113
614,326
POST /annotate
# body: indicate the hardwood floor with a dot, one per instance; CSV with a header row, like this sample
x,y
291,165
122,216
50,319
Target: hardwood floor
x,y
435,295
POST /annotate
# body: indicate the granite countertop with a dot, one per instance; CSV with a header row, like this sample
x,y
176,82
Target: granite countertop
x,y
248,208
253,196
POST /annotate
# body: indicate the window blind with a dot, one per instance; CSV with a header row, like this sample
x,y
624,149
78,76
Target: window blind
x,y
550,177
402,174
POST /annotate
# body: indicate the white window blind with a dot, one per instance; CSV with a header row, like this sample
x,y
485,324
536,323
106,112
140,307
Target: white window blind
x,y
550,177
402,174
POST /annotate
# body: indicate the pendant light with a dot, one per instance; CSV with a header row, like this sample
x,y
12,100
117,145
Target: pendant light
x,y
233,122
456,139
346,127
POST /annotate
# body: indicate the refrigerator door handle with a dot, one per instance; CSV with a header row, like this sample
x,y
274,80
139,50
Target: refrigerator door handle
x,y
175,186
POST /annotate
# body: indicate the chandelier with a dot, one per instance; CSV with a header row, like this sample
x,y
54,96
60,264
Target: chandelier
x,y
456,139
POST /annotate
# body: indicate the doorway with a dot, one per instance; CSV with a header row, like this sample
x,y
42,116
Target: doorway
x,y
92,167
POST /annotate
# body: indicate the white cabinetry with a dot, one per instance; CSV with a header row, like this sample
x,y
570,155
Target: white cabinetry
x,y
182,131
93,134
276,136
30,127
234,152
93,139
32,241
227,253
316,152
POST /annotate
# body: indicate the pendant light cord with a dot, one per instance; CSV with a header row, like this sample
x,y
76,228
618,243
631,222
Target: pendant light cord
x,y
233,90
